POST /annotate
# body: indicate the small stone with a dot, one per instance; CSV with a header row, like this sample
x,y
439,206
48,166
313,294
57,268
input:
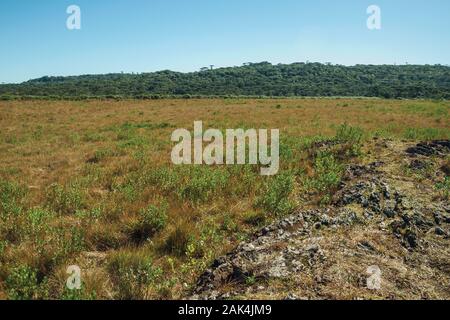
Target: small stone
x,y
406,204
291,296
439,231
313,248
438,217
388,212
366,246
412,239
417,165
386,191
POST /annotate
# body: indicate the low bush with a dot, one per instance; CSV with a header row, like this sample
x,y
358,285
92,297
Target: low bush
x,y
22,283
150,221
276,195
65,199
133,274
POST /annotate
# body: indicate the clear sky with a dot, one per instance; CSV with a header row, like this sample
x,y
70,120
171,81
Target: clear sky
x,y
185,35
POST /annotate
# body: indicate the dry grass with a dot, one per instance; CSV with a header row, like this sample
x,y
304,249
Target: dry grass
x,y
75,177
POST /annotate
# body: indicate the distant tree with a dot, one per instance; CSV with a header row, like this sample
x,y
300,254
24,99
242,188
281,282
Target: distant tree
x,y
254,79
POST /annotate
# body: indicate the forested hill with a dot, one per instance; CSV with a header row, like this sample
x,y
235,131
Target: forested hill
x,y
254,79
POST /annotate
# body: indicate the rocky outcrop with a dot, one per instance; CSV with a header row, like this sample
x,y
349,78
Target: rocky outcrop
x,y
438,147
298,247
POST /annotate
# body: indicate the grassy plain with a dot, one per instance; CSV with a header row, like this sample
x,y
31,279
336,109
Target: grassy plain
x,y
90,183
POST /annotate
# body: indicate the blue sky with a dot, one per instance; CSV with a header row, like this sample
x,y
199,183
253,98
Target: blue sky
x,y
185,35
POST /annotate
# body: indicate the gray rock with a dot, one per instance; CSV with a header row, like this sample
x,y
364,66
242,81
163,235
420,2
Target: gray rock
x,y
439,231
291,296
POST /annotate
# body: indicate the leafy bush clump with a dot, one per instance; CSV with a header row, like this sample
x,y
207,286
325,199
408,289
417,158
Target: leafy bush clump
x,y
350,139
347,133
65,200
164,178
133,274
151,220
11,197
276,198
327,176
444,187
38,220
427,134
77,295
202,183
22,283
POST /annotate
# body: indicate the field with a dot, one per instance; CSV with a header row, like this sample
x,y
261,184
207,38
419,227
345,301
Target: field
x,y
90,183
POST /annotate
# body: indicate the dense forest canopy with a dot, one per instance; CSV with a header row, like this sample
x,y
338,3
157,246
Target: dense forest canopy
x,y
252,79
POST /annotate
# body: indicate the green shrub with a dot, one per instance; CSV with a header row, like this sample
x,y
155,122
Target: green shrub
x,y
327,174
347,133
38,220
425,133
64,242
286,152
22,283
276,197
151,220
93,214
77,295
7,97
444,187
11,198
132,273
65,200
163,177
128,137
129,190
230,224
250,280
350,139
244,180
201,183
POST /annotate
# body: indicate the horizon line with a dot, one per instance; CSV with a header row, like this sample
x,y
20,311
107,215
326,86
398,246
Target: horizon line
x,y
244,64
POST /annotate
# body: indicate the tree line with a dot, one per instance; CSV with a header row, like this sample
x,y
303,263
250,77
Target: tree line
x,y
252,79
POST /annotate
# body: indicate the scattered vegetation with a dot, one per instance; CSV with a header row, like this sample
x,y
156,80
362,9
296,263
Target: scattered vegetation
x,y
21,283
133,274
276,195
444,188
85,179
150,221
327,175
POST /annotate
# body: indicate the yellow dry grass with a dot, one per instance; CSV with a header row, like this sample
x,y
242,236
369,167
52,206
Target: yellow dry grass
x,y
91,165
